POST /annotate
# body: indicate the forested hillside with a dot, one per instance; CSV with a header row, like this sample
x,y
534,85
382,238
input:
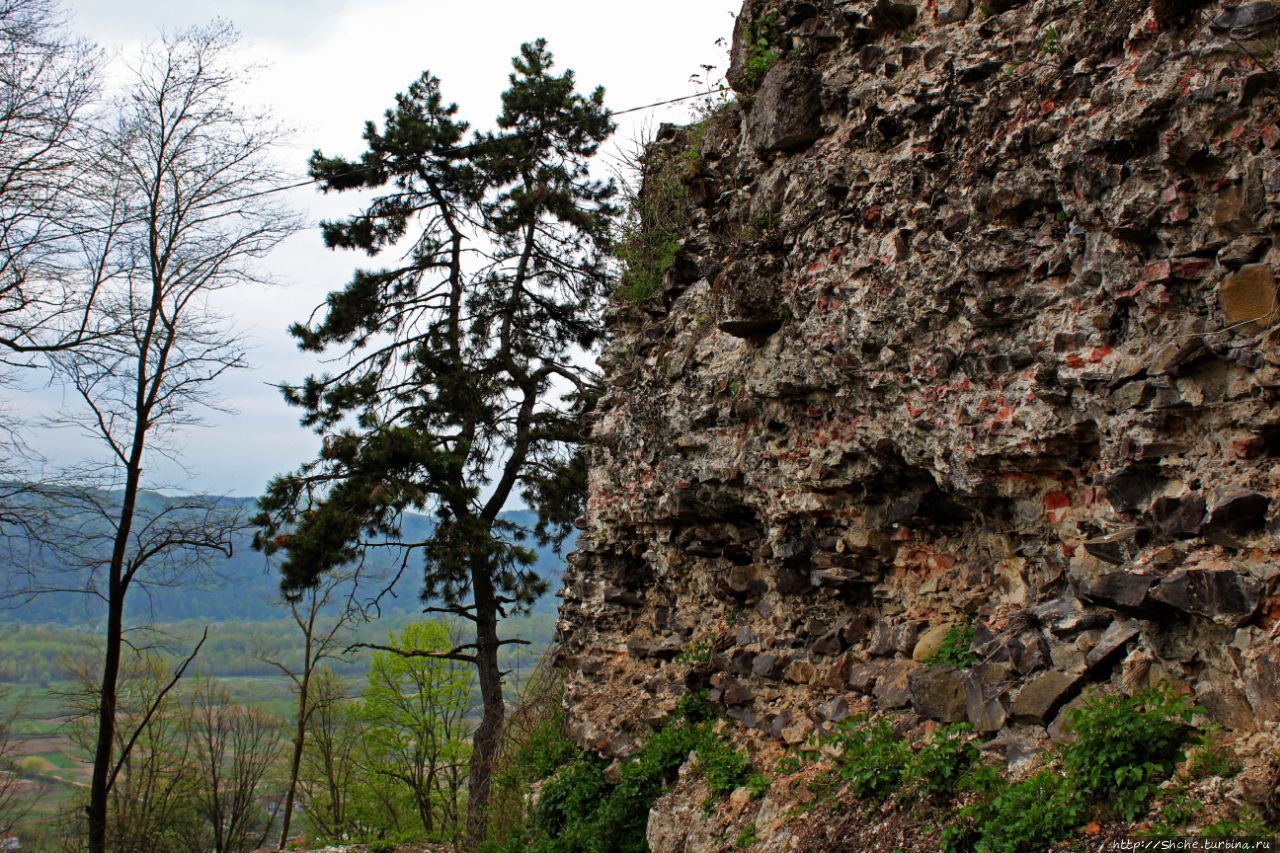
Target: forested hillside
x,y
243,587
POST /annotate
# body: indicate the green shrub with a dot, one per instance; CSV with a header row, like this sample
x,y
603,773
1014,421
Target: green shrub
x,y
939,766
787,765
747,837
566,808
695,707
954,650
580,811
764,43
1027,815
872,756
1126,745
1124,748
698,651
725,768
647,256
757,784
535,746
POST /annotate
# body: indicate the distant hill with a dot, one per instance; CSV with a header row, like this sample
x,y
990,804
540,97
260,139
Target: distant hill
x,y
242,588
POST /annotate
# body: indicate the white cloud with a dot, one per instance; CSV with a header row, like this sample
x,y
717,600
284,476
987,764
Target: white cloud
x,y
332,65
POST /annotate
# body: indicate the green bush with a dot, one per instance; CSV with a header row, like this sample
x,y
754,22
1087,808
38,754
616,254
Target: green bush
x,y
939,766
725,768
1027,815
764,43
757,784
646,257
1212,757
954,650
580,811
564,819
1126,745
747,837
787,765
695,707
872,756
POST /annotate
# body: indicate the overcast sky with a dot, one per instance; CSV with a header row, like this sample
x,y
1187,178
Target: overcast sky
x,y
330,66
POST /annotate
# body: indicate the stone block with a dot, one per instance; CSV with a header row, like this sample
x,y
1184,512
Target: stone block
x,y
938,693
1248,298
786,111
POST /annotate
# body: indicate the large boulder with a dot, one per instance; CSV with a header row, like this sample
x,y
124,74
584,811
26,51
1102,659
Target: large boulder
x,y
1228,598
937,692
985,688
1041,697
1127,592
785,112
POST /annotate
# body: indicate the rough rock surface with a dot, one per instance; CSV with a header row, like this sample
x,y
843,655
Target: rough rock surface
x,y
983,337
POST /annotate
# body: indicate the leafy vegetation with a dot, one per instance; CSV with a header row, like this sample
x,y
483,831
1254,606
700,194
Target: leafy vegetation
x,y
954,649
1211,756
656,218
1027,815
1124,747
764,48
943,762
872,756
578,810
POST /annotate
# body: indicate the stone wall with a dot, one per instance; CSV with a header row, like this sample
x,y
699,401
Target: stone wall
x,y
971,327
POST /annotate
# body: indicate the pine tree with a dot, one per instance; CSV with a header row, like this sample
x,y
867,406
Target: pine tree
x,y
462,384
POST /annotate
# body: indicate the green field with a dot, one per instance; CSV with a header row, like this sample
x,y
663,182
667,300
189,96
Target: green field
x,y
44,664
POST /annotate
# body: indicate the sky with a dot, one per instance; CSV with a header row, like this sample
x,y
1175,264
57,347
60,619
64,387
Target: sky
x,y
327,67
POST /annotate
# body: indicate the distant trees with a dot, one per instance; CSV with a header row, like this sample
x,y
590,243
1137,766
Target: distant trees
x,y
192,769
150,802
12,809
233,749
321,617
461,387
416,734
329,773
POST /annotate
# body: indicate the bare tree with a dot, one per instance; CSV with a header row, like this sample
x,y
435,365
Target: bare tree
x,y
47,83
184,172
331,759
321,636
234,746
150,795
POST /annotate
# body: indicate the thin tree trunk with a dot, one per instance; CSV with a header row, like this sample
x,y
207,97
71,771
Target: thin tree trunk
x,y
116,584
298,738
484,747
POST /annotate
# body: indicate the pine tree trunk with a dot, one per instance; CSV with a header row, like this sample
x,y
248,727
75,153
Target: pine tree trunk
x,y
484,747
